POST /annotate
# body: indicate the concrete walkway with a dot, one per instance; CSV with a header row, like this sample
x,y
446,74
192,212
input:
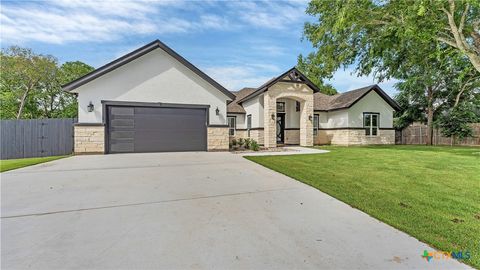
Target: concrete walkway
x,y
289,150
187,211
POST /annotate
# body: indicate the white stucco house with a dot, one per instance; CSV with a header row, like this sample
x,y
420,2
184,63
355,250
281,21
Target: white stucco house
x,y
153,100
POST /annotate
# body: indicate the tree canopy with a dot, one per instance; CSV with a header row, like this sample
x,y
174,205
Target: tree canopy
x,y
431,46
30,85
375,36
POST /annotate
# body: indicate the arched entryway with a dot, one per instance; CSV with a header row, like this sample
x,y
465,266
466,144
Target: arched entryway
x,y
293,93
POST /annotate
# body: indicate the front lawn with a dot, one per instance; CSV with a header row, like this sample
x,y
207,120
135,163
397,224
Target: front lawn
x,y
431,193
12,164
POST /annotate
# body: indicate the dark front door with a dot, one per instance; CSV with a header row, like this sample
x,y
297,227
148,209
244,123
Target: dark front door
x,y
154,129
280,127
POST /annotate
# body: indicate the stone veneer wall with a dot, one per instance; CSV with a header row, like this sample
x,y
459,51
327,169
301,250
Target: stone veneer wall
x,y
292,136
354,137
217,138
322,137
255,134
385,136
89,139
239,134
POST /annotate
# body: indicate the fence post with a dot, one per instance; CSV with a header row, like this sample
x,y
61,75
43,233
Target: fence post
x,y
420,134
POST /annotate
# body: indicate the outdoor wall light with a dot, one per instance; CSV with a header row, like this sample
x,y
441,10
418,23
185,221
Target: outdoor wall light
x,y
273,116
90,107
217,111
310,117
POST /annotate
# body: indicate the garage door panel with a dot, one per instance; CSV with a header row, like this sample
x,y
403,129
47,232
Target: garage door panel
x,y
171,120
117,111
127,123
122,135
154,129
169,139
122,147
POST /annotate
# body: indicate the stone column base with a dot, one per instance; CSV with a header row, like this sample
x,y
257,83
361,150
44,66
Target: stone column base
x,y
89,139
217,138
292,136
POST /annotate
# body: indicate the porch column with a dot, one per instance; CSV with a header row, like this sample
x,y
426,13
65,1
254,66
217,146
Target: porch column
x,y
306,125
269,124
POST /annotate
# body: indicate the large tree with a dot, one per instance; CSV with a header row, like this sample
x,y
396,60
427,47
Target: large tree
x,y
30,85
399,39
358,32
68,72
459,25
461,104
23,73
316,76
52,100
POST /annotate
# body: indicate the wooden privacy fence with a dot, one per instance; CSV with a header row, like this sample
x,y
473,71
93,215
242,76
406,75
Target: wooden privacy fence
x,y
36,137
417,134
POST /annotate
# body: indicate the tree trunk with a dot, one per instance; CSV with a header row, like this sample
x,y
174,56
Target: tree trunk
x,y
474,59
22,104
459,41
429,115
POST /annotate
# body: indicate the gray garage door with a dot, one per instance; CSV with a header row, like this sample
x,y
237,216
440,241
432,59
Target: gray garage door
x,y
153,129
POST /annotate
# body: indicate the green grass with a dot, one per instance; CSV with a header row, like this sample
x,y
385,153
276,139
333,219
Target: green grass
x,y
431,193
12,164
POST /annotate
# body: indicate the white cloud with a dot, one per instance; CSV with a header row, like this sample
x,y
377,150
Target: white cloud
x,y
270,49
275,14
65,21
109,7
236,77
62,21
214,22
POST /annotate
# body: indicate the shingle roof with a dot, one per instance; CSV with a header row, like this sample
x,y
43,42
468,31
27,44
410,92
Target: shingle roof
x,y
234,107
338,101
322,102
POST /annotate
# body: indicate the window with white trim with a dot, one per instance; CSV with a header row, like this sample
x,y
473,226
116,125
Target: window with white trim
x,y
315,124
231,125
370,123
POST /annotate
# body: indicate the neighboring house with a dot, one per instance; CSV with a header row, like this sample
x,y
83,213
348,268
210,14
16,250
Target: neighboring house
x,y
153,100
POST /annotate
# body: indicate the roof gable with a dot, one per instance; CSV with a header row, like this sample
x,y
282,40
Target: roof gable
x,y
346,100
292,75
157,44
234,107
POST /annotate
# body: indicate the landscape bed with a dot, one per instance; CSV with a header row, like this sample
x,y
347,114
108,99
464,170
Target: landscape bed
x,y
431,193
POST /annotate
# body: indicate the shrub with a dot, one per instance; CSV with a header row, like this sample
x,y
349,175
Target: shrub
x,y
254,145
240,142
248,141
234,142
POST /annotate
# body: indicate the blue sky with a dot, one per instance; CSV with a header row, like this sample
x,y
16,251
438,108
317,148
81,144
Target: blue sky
x,y
238,43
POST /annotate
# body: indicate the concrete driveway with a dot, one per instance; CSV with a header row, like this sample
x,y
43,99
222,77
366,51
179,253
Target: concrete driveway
x,y
187,210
